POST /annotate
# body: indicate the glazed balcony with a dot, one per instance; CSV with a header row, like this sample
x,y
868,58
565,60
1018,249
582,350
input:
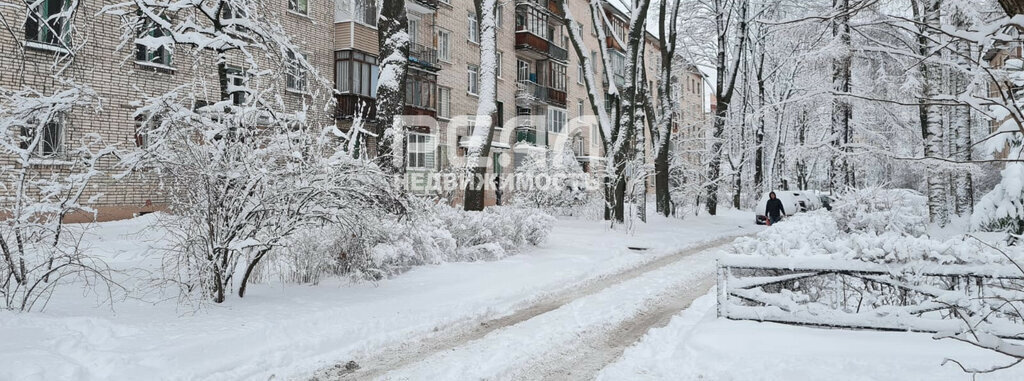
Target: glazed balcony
x,y
551,6
429,4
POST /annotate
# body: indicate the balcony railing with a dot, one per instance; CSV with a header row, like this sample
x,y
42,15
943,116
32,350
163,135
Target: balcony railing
x,y
556,97
432,4
557,53
424,56
527,40
547,5
526,135
349,104
531,91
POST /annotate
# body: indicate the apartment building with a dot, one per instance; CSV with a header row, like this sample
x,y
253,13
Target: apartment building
x,y
539,76
88,43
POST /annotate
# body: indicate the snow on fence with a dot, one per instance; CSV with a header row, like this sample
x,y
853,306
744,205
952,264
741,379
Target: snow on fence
x,y
856,294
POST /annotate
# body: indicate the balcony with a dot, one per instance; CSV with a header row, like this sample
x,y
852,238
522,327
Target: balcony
x,y
424,57
348,104
531,45
551,6
555,97
557,53
431,4
526,135
529,93
536,47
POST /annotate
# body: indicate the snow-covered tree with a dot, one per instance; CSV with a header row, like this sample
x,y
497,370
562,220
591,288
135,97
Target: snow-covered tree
x,y
478,151
244,170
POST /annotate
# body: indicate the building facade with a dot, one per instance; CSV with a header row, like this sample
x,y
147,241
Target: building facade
x,y
88,42
539,77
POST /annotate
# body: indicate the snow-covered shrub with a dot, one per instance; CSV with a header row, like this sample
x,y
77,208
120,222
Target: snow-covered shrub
x,y
437,234
38,252
556,184
1002,209
878,210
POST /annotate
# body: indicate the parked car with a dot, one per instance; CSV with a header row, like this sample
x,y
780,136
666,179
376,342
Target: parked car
x,y
792,201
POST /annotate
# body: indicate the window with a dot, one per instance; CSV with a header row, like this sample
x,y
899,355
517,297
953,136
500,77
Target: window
x,y
556,120
532,20
497,69
237,89
444,45
419,90
556,76
147,32
300,6
365,12
421,151
143,126
474,28
296,73
579,108
473,84
48,22
499,116
579,73
414,31
444,102
356,73
499,17
51,143
522,70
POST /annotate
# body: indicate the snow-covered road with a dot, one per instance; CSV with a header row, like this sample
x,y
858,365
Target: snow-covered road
x,y
570,335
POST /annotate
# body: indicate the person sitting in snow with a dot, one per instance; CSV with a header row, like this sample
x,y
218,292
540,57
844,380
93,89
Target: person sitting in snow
x,y
774,209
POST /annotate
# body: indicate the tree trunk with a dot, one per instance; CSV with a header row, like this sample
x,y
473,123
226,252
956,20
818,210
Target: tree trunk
x,y
483,133
723,93
964,184
393,39
840,175
931,117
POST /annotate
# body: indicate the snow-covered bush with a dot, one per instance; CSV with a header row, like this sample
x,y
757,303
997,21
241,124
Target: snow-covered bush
x,y
1002,209
877,210
374,247
556,184
38,252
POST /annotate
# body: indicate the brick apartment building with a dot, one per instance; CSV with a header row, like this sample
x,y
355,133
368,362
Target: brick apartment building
x,y
538,75
29,51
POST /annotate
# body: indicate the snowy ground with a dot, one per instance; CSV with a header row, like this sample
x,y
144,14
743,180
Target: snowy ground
x,y
696,345
291,331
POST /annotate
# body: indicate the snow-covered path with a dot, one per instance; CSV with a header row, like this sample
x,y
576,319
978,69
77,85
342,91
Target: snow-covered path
x,y
571,335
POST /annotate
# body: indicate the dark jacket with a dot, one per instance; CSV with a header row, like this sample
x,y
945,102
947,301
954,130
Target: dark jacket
x,y
774,208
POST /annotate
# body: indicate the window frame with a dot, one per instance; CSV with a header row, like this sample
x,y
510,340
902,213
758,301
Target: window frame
x,y
44,29
58,149
295,74
293,6
472,28
145,56
420,151
444,45
444,102
365,63
473,79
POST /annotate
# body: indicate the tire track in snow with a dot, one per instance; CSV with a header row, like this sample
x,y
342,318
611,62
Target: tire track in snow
x,y
411,352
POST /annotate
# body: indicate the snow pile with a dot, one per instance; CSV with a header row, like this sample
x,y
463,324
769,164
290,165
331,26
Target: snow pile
x,y
877,210
818,235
